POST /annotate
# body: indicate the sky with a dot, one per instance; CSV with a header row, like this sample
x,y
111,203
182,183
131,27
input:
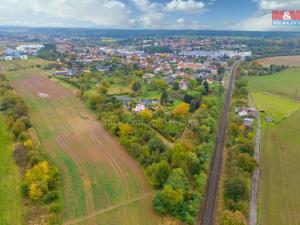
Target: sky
x,y
253,15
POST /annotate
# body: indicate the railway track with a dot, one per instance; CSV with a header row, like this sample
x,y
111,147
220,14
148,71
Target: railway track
x,y
208,208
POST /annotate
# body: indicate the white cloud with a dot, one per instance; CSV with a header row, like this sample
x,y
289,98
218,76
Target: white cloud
x,y
256,23
182,23
277,4
153,20
145,5
100,13
259,22
95,12
262,18
184,5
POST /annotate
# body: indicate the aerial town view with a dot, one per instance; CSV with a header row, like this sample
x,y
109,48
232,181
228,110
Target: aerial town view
x,y
149,112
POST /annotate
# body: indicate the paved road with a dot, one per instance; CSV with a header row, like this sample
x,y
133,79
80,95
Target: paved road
x,y
255,177
208,209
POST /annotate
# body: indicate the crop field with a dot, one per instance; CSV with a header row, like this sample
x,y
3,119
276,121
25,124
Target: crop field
x,y
280,155
11,210
293,61
102,184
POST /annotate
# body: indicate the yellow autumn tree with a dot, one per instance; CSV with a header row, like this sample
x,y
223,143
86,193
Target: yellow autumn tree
x,y
181,110
125,129
35,192
146,114
28,144
37,179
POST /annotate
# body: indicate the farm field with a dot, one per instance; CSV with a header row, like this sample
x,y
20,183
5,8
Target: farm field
x,y
293,61
102,184
279,155
11,210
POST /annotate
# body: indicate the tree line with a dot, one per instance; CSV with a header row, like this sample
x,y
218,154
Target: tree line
x,y
239,162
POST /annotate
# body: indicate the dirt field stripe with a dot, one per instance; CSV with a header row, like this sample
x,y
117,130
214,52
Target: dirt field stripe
x,y
112,162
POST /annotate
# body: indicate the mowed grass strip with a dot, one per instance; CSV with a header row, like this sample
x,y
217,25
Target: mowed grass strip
x,y
11,209
285,83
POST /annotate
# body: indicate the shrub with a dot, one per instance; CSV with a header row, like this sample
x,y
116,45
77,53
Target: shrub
x,y
232,218
236,187
55,208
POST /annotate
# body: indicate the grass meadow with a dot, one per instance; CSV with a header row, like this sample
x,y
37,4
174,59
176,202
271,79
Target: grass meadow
x,y
11,209
19,64
285,83
279,163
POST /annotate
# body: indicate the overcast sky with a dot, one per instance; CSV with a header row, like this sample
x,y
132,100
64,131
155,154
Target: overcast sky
x,y
145,14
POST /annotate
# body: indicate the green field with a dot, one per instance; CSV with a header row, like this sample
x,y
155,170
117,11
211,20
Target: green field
x,y
11,210
23,64
285,83
97,172
280,146
279,164
272,106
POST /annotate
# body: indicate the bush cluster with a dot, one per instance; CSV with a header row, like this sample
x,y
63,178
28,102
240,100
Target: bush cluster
x,y
239,164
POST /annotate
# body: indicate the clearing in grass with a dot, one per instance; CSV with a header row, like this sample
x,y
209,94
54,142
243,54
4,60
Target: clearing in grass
x,y
11,210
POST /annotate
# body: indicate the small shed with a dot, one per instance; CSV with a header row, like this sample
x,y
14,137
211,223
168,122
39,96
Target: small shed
x,y
248,122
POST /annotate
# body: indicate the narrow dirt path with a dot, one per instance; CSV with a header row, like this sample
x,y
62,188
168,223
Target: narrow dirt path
x,y
253,218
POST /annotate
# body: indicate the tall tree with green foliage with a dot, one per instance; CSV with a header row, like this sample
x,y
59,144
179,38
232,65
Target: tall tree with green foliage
x,y
164,99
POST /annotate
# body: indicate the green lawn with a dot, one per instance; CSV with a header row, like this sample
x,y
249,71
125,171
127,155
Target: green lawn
x,y
285,83
11,210
280,146
273,106
279,164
